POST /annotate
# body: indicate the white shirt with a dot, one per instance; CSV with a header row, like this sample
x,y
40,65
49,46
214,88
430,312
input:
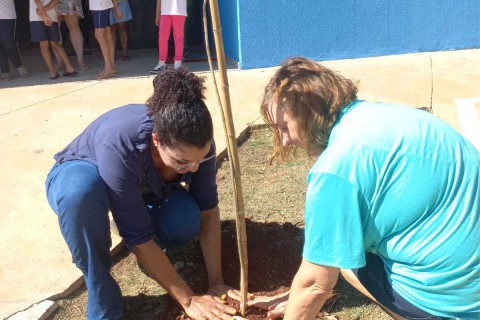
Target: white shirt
x,y
7,9
174,7
98,5
33,11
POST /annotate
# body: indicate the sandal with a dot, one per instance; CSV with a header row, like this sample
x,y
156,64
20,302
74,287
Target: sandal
x,y
70,74
23,72
55,77
5,76
102,75
126,57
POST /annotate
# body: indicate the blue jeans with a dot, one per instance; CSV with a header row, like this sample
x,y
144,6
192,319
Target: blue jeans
x,y
79,197
374,278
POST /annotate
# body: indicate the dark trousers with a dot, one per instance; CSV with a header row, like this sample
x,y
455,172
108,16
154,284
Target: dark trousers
x,y
8,45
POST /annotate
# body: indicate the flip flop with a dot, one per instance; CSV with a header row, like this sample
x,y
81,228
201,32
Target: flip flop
x,y
102,75
126,57
70,74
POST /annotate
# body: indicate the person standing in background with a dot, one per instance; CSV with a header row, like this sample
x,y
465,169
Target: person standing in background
x,y
44,30
71,10
170,14
101,20
8,44
121,25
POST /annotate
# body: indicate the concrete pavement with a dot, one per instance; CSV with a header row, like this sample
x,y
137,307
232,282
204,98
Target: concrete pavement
x,y
38,117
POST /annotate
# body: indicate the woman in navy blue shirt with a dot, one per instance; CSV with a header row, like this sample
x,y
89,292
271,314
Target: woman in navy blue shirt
x,y
153,166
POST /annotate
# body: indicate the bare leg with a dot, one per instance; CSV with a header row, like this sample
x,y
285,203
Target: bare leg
x,y
76,38
58,61
111,49
113,28
63,55
122,29
350,277
104,38
44,49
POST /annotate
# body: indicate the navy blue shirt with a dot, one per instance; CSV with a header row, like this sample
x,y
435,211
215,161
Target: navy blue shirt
x,y
118,143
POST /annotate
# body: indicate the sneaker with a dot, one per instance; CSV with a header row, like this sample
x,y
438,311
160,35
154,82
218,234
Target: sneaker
x,y
177,65
161,66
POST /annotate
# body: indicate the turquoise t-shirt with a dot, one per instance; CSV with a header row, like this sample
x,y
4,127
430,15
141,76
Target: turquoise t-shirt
x,y
402,184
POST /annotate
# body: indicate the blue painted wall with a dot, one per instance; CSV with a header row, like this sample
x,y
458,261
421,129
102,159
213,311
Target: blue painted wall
x,y
269,31
229,20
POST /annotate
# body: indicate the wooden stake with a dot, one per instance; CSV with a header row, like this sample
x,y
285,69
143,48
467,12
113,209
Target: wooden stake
x,y
224,101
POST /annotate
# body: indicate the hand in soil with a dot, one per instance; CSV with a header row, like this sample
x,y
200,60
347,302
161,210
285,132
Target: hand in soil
x,y
206,306
222,291
275,304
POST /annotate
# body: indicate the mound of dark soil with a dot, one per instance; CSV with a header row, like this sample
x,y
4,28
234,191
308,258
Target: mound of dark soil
x,y
274,255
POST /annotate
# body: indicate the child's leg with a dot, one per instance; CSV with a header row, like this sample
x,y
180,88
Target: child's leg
x,y
102,41
44,49
76,38
58,61
122,30
163,35
41,33
113,29
103,35
111,48
178,34
63,55
104,38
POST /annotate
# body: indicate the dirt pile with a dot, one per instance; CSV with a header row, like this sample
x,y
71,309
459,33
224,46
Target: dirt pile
x,y
274,255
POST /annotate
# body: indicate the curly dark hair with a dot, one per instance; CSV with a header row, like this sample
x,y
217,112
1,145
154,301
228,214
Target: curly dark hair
x,y
178,109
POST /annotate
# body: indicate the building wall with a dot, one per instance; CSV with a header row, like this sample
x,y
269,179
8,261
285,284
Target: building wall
x,y
272,30
229,19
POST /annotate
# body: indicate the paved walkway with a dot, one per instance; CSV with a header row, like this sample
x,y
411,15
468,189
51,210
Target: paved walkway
x,y
38,117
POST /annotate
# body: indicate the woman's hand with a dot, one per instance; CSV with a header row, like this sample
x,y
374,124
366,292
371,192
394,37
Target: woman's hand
x,y
208,307
275,305
222,290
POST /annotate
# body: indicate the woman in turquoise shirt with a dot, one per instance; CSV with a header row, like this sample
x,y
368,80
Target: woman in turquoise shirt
x,y
392,201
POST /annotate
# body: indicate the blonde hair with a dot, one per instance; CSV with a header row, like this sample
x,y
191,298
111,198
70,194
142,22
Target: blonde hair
x,y
313,95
